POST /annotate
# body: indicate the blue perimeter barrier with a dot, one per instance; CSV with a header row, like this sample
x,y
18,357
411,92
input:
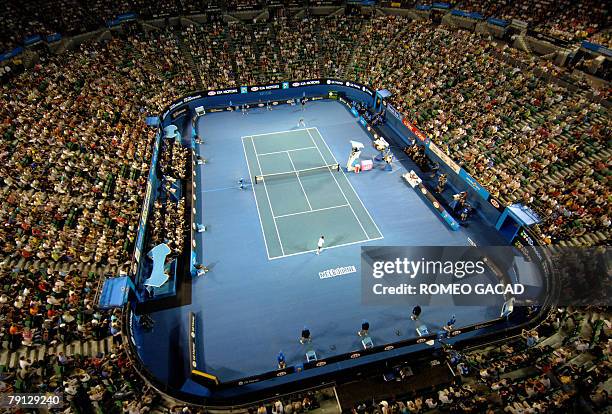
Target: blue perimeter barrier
x,y
259,95
485,204
181,113
594,47
469,15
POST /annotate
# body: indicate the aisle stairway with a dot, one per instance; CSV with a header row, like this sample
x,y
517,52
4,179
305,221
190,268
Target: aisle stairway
x,y
189,58
10,359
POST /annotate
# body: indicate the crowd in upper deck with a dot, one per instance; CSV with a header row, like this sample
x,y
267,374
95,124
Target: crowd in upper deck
x,y
75,153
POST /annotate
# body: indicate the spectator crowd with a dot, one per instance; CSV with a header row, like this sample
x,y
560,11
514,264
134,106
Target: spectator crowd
x,y
562,366
75,153
567,20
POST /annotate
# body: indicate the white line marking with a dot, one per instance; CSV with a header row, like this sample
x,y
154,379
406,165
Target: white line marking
x,y
274,133
326,248
340,188
297,174
471,242
322,167
311,211
281,152
349,182
268,197
255,197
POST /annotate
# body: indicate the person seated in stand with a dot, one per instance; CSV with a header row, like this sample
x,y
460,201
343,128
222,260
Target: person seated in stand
x,y
434,167
460,199
441,183
305,337
380,144
281,360
365,327
465,212
201,269
450,324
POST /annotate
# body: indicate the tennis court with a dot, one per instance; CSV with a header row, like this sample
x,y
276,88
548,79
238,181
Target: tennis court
x,y
301,194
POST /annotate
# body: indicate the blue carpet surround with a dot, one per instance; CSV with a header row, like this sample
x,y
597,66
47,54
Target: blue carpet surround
x,y
250,308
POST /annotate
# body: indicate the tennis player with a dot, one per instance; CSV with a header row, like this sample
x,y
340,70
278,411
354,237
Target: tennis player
x,y
320,244
301,123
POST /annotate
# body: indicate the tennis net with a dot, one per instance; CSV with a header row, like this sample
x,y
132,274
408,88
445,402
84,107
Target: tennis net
x,y
297,173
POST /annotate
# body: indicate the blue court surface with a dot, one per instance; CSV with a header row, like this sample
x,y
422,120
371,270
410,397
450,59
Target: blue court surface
x,y
265,281
300,197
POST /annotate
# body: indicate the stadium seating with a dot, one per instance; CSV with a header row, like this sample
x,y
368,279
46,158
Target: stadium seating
x,y
75,153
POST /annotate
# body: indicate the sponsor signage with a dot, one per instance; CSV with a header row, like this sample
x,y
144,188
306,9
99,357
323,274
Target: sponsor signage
x,y
394,112
191,98
192,341
175,104
496,203
255,88
352,85
263,377
312,82
181,112
415,131
475,185
265,88
444,157
229,91
443,213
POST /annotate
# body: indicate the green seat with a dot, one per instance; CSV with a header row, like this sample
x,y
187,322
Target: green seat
x,y
20,385
58,370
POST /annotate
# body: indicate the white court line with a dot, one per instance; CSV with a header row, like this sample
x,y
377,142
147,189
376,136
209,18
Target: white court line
x,y
268,197
255,197
274,133
340,188
325,248
311,211
281,152
297,174
349,181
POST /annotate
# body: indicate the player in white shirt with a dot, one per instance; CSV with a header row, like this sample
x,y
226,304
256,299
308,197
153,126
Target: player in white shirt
x,y
320,244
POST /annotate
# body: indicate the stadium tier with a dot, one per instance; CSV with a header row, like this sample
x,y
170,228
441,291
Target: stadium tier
x,y
287,206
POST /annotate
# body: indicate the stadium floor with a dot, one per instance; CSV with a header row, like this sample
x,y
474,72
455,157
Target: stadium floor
x,y
250,307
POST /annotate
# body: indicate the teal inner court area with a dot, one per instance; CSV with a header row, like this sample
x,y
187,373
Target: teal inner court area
x,y
301,194
265,282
